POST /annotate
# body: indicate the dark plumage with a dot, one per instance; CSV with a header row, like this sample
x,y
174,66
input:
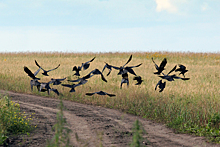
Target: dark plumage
x,y
125,79
45,71
56,81
161,67
77,69
86,64
100,93
139,80
82,80
98,72
123,69
172,77
46,87
73,86
109,67
182,69
30,74
161,85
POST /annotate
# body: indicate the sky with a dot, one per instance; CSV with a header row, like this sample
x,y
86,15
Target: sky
x,y
110,26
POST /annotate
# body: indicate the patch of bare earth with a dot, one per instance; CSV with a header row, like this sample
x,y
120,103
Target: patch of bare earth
x,y
94,125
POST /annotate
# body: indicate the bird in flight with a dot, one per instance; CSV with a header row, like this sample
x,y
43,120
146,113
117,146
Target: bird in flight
x,y
182,69
138,79
161,67
100,93
45,71
161,85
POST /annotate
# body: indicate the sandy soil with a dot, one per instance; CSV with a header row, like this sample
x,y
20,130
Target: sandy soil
x,y
91,123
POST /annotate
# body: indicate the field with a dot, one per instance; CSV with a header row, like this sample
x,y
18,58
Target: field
x,y
188,106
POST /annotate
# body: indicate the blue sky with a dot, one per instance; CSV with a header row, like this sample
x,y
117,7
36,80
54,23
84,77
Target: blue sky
x,y
110,25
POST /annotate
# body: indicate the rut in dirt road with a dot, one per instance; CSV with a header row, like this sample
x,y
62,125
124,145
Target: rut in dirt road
x,y
91,122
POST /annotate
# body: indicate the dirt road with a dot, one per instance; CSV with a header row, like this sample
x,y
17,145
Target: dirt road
x,y
94,125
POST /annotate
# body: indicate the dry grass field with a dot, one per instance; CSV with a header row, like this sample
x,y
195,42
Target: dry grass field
x,y
191,106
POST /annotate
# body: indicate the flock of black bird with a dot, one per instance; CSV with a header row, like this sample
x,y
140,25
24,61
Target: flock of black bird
x,y
123,71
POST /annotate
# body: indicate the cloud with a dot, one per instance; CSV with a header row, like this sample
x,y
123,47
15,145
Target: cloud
x,y
204,6
166,5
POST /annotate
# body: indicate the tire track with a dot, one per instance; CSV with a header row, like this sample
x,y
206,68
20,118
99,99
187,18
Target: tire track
x,y
114,126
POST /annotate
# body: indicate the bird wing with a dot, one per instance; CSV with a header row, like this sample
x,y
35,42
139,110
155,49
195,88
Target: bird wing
x,y
55,90
90,60
36,72
130,71
30,74
127,61
53,68
89,94
134,66
67,85
158,84
38,65
61,79
156,66
174,68
163,63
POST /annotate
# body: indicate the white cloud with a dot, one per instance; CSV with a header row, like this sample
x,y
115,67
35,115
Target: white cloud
x,y
204,6
166,5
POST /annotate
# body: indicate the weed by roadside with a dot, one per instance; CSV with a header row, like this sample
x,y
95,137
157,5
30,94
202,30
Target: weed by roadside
x,y
12,120
138,132
61,137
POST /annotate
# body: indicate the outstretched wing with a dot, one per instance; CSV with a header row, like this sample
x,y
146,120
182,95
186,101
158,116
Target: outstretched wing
x,y
89,94
38,65
128,61
111,95
36,72
163,63
30,74
172,70
156,66
135,66
90,60
54,68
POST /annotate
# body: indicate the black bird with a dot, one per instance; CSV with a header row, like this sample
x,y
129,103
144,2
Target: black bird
x,y
118,68
109,67
125,79
98,72
46,87
172,77
30,74
161,67
82,80
123,69
139,80
182,69
77,69
56,81
167,77
72,86
45,71
87,64
100,93
128,69
161,85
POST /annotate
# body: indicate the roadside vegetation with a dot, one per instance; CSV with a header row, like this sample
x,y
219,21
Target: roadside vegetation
x,y
191,106
12,120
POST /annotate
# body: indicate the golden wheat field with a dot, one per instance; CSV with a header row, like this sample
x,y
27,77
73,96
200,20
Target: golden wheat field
x,y
185,104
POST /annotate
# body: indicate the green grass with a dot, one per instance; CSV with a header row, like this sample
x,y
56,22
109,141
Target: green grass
x,y
12,120
188,106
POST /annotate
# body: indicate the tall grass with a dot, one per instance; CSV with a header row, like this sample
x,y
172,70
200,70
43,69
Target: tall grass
x,y
188,106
